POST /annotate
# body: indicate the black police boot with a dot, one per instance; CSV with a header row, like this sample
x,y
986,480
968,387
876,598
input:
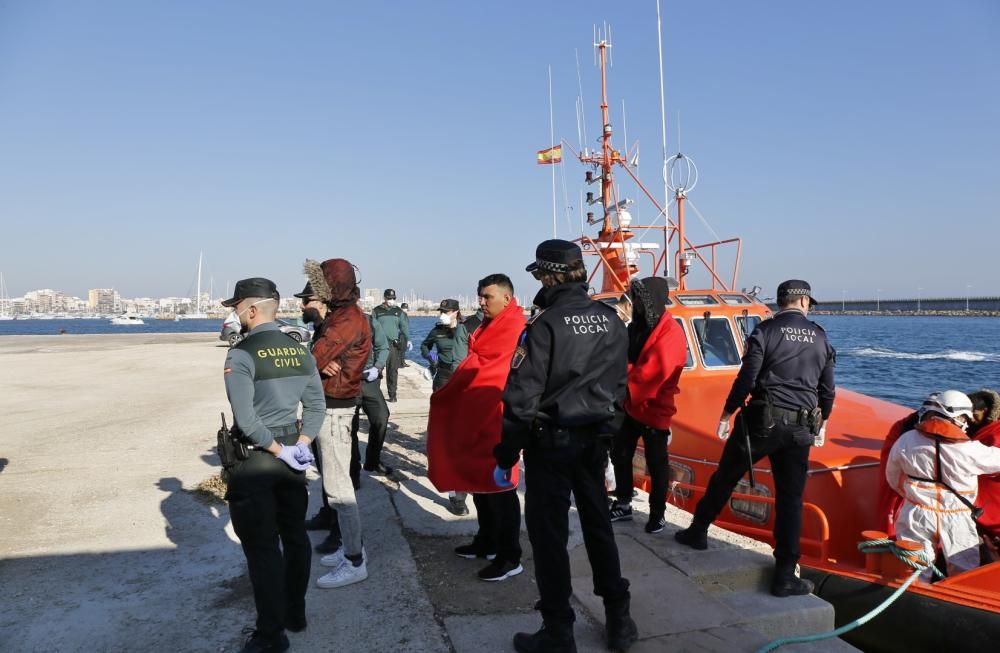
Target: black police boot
x,y
619,625
694,536
258,643
296,624
321,521
550,639
786,583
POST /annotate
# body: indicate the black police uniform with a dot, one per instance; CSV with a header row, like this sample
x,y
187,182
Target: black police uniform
x,y
788,371
267,375
568,373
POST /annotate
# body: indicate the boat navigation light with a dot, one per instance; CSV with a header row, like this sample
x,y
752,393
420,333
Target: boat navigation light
x,y
590,218
607,128
687,259
624,218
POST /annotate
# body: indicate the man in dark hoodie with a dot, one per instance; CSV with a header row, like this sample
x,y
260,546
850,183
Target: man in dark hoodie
x,y
657,352
341,349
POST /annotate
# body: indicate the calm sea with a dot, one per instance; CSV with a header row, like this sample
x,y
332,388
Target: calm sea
x,y
899,359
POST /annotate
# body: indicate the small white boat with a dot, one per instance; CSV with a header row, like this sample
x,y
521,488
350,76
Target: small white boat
x,y
127,320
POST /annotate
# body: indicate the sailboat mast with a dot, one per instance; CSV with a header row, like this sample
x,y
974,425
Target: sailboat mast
x,y
197,299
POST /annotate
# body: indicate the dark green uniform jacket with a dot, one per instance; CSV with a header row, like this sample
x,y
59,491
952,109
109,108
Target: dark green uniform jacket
x,y
452,344
267,375
379,352
393,321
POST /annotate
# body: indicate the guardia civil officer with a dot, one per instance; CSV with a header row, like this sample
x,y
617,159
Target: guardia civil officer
x,y
788,373
267,376
396,326
446,344
567,375
374,406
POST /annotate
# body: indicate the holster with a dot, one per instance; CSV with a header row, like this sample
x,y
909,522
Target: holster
x,y
815,420
759,413
232,447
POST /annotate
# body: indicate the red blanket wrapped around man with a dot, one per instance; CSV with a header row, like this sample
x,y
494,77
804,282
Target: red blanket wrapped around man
x,y
466,414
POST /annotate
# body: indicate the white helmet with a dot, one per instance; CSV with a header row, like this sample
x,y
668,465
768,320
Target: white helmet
x,y
951,404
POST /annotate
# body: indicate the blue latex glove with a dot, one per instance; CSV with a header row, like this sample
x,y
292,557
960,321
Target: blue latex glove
x,y
287,456
370,374
501,477
303,453
409,346
433,356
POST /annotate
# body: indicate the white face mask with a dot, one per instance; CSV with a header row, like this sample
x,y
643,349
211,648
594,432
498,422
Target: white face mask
x,y
390,302
446,319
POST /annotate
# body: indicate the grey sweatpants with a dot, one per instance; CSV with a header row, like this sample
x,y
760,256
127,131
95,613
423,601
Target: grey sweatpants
x,y
335,449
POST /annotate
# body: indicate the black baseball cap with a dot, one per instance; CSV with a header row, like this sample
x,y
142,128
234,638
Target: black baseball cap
x,y
253,287
448,305
795,288
555,256
389,293
306,293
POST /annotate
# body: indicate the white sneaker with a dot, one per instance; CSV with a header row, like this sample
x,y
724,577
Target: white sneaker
x,y
337,558
345,574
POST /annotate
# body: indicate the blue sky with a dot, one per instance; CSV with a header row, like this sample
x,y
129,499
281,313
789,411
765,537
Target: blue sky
x,y
854,144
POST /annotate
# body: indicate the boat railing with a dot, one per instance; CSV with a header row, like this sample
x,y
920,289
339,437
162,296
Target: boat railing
x,y
819,544
710,263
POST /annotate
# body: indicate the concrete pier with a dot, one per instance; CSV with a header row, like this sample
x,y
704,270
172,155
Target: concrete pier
x,y
106,546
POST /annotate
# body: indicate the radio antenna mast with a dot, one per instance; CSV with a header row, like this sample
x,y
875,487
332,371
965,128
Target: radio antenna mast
x,y
663,129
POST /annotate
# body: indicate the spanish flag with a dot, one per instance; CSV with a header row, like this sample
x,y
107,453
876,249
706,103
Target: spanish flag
x,y
551,155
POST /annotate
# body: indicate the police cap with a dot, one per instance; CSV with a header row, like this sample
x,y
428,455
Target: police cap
x,y
307,292
795,288
258,287
448,305
555,256
389,293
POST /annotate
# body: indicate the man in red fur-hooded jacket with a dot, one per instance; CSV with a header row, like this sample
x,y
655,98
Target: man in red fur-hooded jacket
x,y
464,425
935,468
986,416
657,351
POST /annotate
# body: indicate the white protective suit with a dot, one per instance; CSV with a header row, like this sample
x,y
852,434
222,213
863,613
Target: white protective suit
x,y
932,514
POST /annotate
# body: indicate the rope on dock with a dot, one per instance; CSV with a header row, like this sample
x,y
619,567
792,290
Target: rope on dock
x,y
918,560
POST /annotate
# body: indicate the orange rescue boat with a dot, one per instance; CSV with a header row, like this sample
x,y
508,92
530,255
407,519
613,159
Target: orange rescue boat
x,y
958,613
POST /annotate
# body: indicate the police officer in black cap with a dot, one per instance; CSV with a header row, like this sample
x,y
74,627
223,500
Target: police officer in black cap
x,y
396,325
567,375
788,373
267,376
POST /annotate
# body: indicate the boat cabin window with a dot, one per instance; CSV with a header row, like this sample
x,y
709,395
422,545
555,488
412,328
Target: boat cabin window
x,y
739,300
747,325
689,363
697,300
715,339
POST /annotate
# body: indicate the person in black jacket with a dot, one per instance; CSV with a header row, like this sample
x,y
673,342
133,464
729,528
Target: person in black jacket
x,y
567,375
788,371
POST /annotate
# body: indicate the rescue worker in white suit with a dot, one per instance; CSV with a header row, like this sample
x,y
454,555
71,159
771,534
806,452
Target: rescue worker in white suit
x,y
935,468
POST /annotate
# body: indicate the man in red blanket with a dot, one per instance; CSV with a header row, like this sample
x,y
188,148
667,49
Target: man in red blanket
x,y
657,352
464,425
